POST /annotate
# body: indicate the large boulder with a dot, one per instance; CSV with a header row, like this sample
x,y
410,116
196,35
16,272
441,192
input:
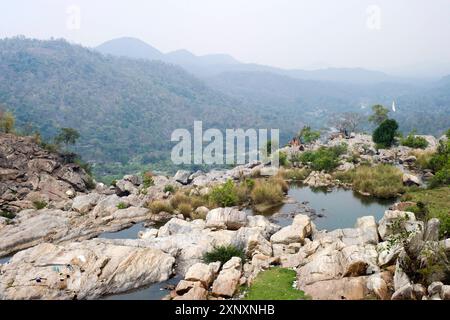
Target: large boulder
x,y
107,206
32,227
296,232
196,293
338,289
202,273
182,176
226,218
81,270
411,180
84,203
227,282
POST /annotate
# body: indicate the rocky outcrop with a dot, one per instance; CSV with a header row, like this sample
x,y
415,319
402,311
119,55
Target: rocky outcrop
x,y
203,281
295,233
32,227
81,270
226,218
319,179
28,173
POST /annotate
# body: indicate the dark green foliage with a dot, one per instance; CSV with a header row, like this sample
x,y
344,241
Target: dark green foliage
x,y
122,205
7,215
125,110
324,158
169,188
384,135
39,204
147,180
90,183
68,136
307,135
223,254
282,158
440,164
224,195
414,142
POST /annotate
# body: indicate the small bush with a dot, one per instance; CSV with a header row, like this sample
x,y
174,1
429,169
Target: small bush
x,y
384,135
383,181
185,209
7,215
223,254
283,159
440,164
159,206
414,142
114,183
147,180
122,205
224,195
169,188
90,183
324,158
307,135
39,204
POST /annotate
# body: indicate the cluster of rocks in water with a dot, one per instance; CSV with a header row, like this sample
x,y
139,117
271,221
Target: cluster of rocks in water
x,y
57,254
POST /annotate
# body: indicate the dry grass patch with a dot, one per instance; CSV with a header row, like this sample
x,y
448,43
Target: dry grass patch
x,y
158,206
383,181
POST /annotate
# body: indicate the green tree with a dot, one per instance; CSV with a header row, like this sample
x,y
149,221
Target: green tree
x,y
384,135
380,114
68,136
307,135
7,122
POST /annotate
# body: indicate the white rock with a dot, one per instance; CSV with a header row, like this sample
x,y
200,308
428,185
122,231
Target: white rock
x,y
200,272
297,232
226,218
49,271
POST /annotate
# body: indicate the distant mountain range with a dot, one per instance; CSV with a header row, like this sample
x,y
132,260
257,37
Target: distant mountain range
x,y
126,106
214,64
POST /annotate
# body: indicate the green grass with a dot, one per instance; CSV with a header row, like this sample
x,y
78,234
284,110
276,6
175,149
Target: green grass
x,y
437,204
275,284
39,204
122,206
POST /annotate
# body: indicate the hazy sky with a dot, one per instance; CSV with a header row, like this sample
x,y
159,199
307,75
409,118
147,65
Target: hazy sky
x,y
390,35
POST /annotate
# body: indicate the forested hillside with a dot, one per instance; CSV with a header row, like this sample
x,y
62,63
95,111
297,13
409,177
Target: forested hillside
x,y
124,109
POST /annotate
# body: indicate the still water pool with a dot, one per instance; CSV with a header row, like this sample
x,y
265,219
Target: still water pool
x,y
338,208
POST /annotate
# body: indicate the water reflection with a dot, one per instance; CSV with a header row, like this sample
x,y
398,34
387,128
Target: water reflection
x,y
330,208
